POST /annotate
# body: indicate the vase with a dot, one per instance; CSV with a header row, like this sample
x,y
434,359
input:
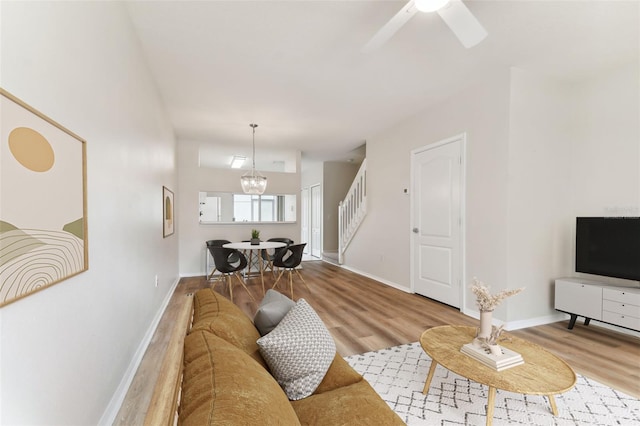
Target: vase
x,y
496,350
486,320
255,241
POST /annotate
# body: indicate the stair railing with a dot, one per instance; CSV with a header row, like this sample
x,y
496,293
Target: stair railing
x,y
352,210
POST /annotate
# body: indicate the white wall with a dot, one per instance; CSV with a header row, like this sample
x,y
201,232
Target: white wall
x,y
338,177
606,152
65,350
573,151
381,246
539,152
312,173
542,128
193,179
605,166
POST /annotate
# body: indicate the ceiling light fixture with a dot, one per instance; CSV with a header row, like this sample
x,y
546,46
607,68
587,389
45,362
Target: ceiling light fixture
x,y
237,161
430,5
253,182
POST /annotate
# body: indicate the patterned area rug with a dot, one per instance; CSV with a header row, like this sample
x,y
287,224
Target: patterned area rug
x,y
398,375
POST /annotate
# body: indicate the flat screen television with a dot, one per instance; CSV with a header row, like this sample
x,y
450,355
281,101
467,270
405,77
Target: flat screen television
x,y
608,246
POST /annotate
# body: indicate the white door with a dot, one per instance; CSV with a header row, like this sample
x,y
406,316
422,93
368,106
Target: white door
x,y
316,221
437,258
304,219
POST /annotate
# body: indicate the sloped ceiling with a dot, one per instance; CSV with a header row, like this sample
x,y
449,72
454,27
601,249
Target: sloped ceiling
x,y
295,67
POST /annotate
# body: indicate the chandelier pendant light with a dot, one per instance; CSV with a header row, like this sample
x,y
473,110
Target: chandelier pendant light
x,y
253,182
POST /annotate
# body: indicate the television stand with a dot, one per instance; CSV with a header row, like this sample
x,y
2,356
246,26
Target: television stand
x,y
613,305
573,319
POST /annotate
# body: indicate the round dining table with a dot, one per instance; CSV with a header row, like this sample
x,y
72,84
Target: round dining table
x,y
263,245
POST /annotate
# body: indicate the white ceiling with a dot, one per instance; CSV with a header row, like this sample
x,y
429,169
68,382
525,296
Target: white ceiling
x,y
273,159
295,67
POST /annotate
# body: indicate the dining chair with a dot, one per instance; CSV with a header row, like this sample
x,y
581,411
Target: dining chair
x,y
218,243
267,257
289,260
223,258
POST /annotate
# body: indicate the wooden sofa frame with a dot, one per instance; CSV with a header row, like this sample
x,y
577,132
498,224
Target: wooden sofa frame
x,y
164,405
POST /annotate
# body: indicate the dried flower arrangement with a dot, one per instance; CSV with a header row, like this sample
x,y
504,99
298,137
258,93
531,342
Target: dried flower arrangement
x,y
495,335
494,338
491,342
485,300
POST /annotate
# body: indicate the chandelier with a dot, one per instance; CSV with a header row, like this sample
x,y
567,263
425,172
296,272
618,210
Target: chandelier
x,y
253,182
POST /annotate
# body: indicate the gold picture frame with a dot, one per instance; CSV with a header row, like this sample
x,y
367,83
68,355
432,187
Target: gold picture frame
x,y
43,199
168,222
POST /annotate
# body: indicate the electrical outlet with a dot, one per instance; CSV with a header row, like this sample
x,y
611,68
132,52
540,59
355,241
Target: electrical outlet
x,y
156,281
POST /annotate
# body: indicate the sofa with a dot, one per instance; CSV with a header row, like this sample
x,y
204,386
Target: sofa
x,y
227,381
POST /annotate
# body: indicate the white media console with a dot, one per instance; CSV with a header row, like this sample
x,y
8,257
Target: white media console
x,y
597,301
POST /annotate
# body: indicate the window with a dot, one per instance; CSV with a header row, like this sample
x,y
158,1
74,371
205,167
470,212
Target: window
x,y
219,207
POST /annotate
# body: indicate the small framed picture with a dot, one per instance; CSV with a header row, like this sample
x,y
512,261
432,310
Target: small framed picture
x,y
168,222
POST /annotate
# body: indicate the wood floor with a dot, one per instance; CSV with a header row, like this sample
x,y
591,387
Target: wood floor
x,y
364,315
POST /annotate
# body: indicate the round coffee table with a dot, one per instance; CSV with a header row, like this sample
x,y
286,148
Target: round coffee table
x,y
541,374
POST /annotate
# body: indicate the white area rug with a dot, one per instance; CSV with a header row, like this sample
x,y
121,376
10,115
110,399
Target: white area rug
x,y
398,375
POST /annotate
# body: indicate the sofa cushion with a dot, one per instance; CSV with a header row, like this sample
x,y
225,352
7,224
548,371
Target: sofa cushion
x,y
223,385
356,404
218,315
340,374
209,304
272,309
299,351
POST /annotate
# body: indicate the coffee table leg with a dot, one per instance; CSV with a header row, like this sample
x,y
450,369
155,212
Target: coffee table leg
x,y
490,404
427,383
554,407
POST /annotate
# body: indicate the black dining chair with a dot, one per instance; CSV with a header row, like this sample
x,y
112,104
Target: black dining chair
x,y
267,257
289,260
224,258
219,243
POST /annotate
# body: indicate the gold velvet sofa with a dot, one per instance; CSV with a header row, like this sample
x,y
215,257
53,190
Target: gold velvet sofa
x,y
221,378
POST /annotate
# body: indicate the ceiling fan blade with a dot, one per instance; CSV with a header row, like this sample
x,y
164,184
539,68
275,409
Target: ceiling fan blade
x,y
463,24
390,28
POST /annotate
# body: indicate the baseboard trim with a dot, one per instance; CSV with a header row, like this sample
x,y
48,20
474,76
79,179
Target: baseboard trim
x,y
612,327
533,322
561,316
549,319
111,412
510,325
193,274
517,325
375,278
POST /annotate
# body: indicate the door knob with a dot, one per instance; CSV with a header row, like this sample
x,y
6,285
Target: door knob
x,y
415,230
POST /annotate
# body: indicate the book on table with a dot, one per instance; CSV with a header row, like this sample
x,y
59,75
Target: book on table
x,y
507,359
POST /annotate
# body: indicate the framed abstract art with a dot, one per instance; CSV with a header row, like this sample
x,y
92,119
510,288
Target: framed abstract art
x,y
43,201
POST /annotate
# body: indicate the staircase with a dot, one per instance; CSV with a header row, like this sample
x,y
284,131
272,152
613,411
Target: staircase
x,y
352,210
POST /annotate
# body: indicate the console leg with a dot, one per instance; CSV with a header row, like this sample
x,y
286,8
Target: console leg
x,y
572,321
586,321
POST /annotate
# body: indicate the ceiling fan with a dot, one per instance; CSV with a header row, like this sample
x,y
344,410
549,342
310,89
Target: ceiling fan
x,y
454,13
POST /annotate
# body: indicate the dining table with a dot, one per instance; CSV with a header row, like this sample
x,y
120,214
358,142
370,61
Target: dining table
x,y
262,245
